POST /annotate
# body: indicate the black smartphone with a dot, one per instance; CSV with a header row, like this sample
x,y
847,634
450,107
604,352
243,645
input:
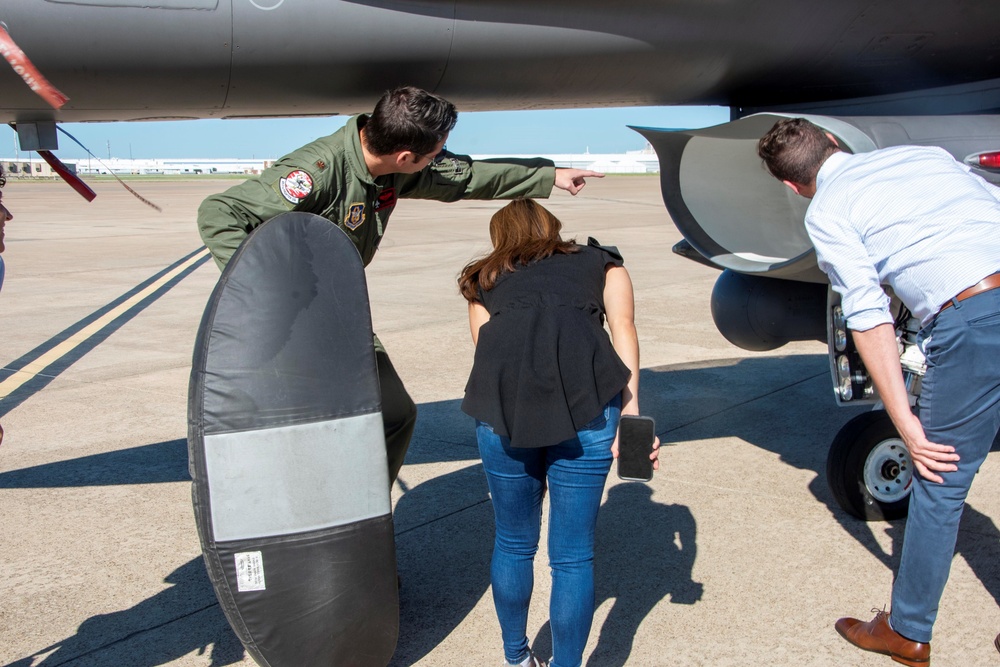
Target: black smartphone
x,y
635,444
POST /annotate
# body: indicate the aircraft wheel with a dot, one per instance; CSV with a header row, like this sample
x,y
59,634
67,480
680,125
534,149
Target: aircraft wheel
x,y
869,469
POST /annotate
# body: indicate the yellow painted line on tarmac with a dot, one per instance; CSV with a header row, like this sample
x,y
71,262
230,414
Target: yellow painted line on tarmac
x,y
14,382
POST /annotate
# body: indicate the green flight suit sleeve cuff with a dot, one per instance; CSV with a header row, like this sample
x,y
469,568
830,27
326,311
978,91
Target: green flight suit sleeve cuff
x,y
510,178
456,177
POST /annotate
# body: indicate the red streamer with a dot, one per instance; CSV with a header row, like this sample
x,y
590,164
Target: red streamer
x,y
74,181
23,67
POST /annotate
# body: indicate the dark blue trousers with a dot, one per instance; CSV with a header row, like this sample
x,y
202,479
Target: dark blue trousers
x,y
959,405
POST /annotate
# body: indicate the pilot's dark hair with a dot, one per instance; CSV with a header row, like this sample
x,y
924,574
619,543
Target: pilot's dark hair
x,y
794,150
408,119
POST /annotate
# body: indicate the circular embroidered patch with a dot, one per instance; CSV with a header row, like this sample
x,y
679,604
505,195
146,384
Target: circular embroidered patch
x,y
296,186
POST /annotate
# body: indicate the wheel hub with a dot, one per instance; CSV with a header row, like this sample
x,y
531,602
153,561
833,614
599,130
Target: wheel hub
x,y
888,471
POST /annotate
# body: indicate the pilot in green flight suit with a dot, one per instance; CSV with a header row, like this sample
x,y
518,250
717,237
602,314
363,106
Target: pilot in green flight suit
x,y
354,178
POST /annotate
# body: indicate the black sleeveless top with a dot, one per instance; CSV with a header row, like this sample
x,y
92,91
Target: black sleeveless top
x,y
544,365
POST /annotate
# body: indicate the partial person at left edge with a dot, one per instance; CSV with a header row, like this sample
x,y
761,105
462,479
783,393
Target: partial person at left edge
x,y
354,178
5,215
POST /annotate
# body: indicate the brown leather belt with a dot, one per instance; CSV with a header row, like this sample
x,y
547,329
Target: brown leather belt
x,y
984,285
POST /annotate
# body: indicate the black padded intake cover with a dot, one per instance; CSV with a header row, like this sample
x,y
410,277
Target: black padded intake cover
x,y
287,451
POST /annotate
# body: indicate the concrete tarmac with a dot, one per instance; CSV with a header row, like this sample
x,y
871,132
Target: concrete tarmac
x,y
735,554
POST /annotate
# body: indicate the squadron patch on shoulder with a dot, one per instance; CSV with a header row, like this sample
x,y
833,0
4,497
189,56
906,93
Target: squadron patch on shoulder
x,y
296,186
355,215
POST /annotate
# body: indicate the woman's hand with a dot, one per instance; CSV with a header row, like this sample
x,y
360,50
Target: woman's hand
x,y
654,455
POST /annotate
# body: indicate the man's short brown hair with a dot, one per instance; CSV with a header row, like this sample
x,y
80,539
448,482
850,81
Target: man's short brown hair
x,y
409,119
794,150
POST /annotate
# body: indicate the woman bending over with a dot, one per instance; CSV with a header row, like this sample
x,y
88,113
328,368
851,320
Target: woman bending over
x,y
547,388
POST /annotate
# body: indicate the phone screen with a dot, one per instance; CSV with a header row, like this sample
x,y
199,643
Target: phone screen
x,y
635,444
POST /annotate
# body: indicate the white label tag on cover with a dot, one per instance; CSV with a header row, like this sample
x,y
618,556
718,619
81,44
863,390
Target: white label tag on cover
x,y
249,571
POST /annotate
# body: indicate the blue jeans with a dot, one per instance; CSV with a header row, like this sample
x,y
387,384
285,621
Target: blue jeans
x,y
959,406
576,470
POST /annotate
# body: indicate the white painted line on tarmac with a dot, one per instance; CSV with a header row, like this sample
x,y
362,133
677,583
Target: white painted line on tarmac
x,y
29,371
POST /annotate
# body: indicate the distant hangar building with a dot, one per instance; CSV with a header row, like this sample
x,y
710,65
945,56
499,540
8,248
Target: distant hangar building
x,y
631,162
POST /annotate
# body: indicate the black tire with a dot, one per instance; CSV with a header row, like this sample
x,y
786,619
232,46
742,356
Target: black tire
x,y
869,470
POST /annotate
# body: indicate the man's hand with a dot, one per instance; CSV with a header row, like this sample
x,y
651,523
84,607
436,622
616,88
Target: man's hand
x,y
929,457
877,347
573,180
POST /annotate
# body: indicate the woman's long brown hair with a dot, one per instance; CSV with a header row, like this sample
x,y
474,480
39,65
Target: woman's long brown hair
x,y
522,232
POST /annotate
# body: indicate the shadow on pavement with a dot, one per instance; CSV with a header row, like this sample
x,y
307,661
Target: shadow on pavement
x,y
653,547
149,464
781,404
784,405
645,552
978,538
443,576
176,621
445,565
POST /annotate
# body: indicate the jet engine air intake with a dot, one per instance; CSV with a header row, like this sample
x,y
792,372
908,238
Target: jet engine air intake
x,y
742,220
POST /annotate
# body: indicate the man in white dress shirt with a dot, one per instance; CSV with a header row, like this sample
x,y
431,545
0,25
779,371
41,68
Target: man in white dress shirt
x,y
915,219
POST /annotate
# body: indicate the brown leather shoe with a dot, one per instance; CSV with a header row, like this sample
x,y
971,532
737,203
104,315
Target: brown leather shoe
x,y
877,636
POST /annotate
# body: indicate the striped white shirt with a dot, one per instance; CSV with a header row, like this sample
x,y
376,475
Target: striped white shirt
x,y
909,217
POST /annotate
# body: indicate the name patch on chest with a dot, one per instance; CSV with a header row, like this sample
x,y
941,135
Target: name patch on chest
x,y
355,216
296,186
387,199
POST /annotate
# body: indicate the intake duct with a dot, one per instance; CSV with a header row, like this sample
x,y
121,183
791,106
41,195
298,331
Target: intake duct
x,y
739,218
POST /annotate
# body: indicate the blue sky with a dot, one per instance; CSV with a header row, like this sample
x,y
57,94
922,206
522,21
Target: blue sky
x,y
485,132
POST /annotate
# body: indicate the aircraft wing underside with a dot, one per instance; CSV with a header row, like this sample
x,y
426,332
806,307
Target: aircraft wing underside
x,y
159,59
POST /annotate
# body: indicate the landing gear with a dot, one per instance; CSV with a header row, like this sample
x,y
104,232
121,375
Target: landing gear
x,y
869,469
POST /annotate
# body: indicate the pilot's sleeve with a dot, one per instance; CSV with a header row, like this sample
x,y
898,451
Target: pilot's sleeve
x,y
293,183
455,177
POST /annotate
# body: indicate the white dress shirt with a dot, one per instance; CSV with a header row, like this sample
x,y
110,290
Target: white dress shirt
x,y
909,217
